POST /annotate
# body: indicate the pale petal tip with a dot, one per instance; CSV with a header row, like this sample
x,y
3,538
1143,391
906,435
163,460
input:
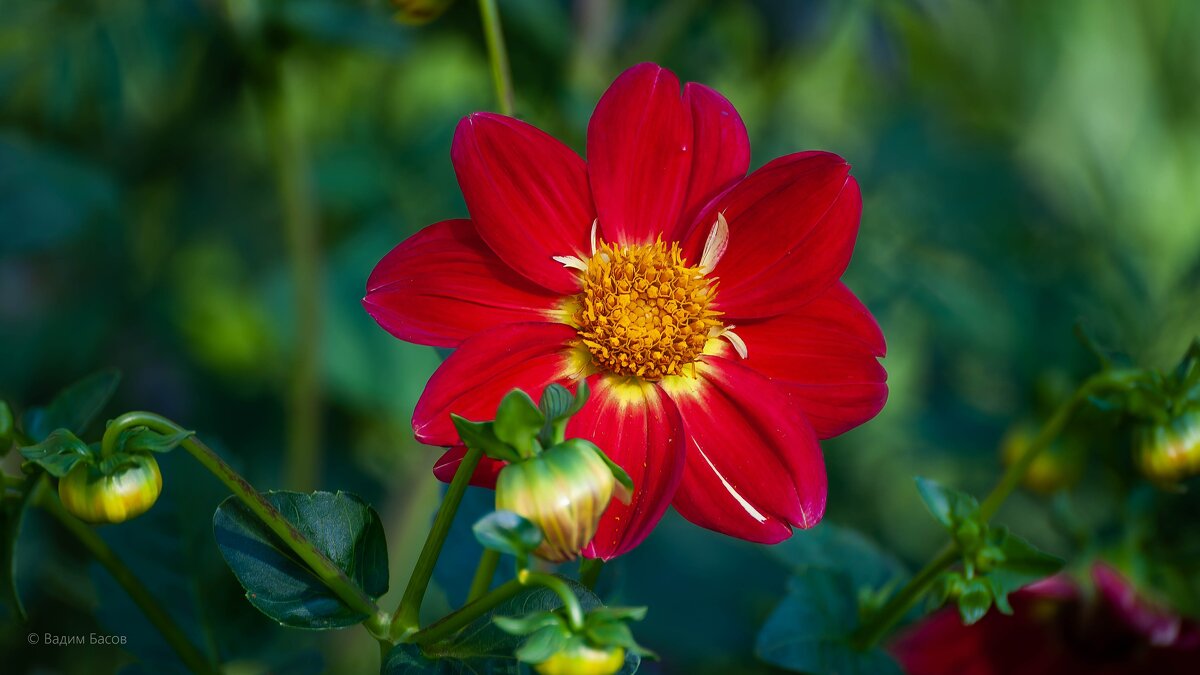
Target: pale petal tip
x,y
571,262
715,245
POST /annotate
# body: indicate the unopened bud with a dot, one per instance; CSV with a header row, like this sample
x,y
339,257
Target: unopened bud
x,y
1168,453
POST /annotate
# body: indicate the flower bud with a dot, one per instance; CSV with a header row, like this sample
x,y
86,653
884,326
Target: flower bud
x,y
1170,452
582,659
564,491
1053,469
91,495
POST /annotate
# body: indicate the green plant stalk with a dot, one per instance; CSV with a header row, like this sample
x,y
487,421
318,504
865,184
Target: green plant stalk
x,y
407,618
484,574
894,610
497,55
561,589
141,596
332,576
302,235
460,618
589,572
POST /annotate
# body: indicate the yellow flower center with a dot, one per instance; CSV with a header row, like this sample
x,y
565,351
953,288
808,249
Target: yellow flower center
x,y
643,311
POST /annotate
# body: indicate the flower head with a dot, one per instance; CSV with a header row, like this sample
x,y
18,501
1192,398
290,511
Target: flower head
x,y
703,306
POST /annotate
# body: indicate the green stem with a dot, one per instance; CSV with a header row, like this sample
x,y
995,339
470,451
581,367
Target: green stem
x,y
899,604
484,574
302,235
140,595
329,573
408,615
561,589
894,610
589,572
460,618
497,54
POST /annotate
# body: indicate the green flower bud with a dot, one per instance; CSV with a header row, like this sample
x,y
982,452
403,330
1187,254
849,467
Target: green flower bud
x,y
1053,469
564,491
95,497
1168,453
580,658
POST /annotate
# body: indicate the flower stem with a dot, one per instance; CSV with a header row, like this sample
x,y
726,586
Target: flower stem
x,y
407,616
589,572
894,610
484,574
330,574
458,619
141,596
497,54
561,589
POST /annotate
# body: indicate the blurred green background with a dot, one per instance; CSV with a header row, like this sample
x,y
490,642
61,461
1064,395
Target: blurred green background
x,y
194,191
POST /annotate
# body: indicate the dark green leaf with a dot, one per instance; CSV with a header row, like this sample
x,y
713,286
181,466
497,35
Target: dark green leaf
x,y
809,631
508,532
518,421
975,600
58,453
543,644
341,525
74,408
840,549
482,436
6,427
1023,564
142,439
12,514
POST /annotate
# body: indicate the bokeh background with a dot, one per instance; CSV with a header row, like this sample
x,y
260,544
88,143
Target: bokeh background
x,y
194,191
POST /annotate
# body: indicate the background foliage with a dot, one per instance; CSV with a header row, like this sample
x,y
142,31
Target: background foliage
x,y
175,176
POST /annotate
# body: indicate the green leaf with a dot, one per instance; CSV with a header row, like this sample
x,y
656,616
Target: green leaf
x,y
528,624
618,613
12,515
482,436
543,644
341,525
975,600
74,408
483,647
6,427
558,405
950,507
809,630
142,439
518,422
507,532
58,453
1023,564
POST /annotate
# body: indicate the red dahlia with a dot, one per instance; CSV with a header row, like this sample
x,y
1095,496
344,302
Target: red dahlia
x,y
711,395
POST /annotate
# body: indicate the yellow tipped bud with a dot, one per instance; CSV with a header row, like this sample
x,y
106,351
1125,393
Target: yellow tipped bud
x,y
92,496
1055,468
563,491
1168,453
581,659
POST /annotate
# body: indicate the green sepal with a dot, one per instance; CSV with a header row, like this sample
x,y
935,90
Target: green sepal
x,y
619,613
482,436
529,623
518,422
974,601
558,405
115,462
141,439
1022,565
508,532
544,643
58,453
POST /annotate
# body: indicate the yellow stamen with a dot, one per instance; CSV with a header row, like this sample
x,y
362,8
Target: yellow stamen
x,y
643,311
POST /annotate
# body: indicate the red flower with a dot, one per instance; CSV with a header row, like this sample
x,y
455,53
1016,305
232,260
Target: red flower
x,y
1055,630
711,397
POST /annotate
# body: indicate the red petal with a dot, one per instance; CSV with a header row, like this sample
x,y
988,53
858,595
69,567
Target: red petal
x,y
527,194
792,226
825,353
753,463
639,151
443,285
484,476
638,427
722,148
472,381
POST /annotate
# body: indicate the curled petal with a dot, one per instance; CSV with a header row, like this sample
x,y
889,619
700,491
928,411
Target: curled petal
x,y
485,473
443,285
